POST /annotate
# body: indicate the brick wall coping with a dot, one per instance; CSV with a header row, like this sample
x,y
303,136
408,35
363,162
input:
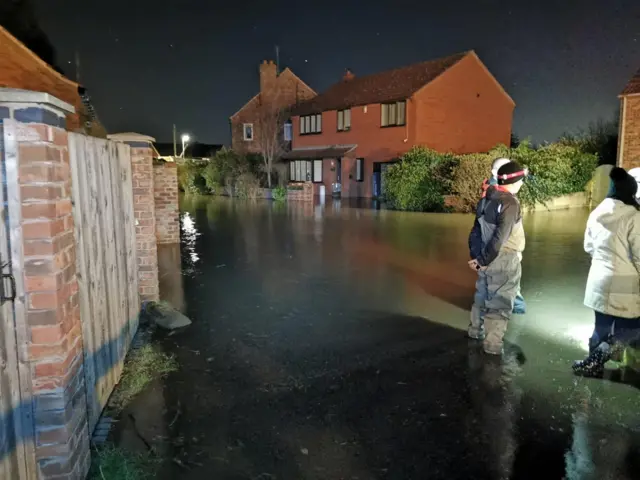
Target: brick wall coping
x,y
28,97
127,137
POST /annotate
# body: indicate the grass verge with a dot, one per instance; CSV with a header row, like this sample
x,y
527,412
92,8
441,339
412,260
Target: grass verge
x,y
112,463
141,367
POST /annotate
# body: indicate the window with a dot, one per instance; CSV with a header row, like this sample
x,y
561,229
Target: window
x,y
247,131
393,114
288,131
344,120
317,171
359,169
300,171
311,124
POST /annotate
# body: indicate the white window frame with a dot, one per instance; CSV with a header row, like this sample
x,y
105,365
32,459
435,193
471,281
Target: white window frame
x,y
301,171
244,132
288,132
390,114
318,170
359,169
310,124
344,120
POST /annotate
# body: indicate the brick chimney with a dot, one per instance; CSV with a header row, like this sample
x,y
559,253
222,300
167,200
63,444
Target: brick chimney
x,y
348,75
268,74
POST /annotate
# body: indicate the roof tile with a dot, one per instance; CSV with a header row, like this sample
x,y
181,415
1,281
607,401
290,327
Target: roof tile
x,y
387,86
633,87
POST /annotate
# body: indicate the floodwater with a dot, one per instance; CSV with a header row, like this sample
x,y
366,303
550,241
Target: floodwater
x,y
329,343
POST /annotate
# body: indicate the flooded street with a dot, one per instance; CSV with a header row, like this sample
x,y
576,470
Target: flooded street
x,y
329,343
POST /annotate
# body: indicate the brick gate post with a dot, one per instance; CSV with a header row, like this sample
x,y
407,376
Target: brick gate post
x,y
43,251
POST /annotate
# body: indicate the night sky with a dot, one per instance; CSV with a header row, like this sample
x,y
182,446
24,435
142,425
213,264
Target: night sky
x,y
195,62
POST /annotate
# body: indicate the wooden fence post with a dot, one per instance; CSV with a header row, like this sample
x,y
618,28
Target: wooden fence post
x,y
144,212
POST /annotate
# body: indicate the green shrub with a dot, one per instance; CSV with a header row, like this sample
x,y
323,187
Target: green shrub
x,y
468,175
279,194
419,181
190,177
556,170
248,186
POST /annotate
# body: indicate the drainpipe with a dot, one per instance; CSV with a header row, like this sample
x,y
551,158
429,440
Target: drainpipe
x,y
623,112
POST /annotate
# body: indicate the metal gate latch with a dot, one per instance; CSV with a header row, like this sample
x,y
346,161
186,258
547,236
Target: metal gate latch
x,y
3,284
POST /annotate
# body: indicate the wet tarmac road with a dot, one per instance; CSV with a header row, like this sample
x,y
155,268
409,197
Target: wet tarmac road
x,y
328,343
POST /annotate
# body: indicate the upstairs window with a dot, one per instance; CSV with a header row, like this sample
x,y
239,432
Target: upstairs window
x,y
344,120
393,114
311,124
247,132
288,131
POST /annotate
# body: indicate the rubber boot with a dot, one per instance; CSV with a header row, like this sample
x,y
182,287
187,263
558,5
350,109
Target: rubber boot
x,y
593,365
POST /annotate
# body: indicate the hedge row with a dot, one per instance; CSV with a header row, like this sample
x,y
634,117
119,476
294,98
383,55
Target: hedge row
x,y
423,178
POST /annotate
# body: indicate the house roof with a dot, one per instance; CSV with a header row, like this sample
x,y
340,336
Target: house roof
x,y
388,86
256,97
633,87
332,151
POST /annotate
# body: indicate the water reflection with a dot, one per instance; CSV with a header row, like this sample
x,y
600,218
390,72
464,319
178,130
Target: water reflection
x,y
293,293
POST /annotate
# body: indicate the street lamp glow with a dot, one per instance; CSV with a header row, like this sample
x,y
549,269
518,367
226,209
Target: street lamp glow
x,y
185,139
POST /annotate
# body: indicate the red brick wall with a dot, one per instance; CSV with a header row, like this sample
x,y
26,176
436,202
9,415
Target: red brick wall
x,y
52,304
144,213
285,91
372,140
629,147
21,68
375,144
165,185
463,111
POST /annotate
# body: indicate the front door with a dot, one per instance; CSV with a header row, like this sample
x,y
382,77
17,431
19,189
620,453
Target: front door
x,y
337,186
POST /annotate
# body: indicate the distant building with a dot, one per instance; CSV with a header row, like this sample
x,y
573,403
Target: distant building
x,y
21,68
345,137
279,90
629,137
196,150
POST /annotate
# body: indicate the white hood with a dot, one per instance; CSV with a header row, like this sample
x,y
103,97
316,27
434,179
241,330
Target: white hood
x,y
612,238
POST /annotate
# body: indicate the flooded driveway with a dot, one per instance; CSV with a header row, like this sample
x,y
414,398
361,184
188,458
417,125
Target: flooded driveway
x,y
329,343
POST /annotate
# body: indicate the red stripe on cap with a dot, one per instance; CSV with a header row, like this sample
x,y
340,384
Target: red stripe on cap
x,y
507,176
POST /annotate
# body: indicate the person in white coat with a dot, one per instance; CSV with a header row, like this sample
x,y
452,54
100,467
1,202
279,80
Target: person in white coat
x,y
612,239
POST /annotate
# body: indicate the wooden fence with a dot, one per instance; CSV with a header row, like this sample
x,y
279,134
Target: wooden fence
x,y
106,261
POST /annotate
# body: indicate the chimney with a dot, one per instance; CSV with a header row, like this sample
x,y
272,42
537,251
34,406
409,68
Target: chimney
x,y
348,75
268,74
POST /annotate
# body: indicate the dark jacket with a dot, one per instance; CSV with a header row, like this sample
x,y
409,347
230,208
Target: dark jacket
x,y
498,226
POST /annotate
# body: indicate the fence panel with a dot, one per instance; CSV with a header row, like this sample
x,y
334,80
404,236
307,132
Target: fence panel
x,y
106,261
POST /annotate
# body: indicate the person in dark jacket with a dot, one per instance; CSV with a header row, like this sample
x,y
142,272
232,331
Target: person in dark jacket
x,y
496,244
519,307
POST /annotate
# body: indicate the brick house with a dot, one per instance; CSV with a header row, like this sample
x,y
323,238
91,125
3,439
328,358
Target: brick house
x,y
23,69
278,91
345,137
629,137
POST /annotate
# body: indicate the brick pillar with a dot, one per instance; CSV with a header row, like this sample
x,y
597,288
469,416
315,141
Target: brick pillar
x,y
144,212
43,261
629,138
165,184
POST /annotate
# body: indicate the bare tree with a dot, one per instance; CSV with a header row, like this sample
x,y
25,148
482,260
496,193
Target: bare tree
x,y
269,133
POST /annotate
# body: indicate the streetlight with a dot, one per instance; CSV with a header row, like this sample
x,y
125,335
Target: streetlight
x,y
185,140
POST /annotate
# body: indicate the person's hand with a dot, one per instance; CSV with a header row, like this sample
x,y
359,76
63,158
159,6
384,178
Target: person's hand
x,y
475,266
